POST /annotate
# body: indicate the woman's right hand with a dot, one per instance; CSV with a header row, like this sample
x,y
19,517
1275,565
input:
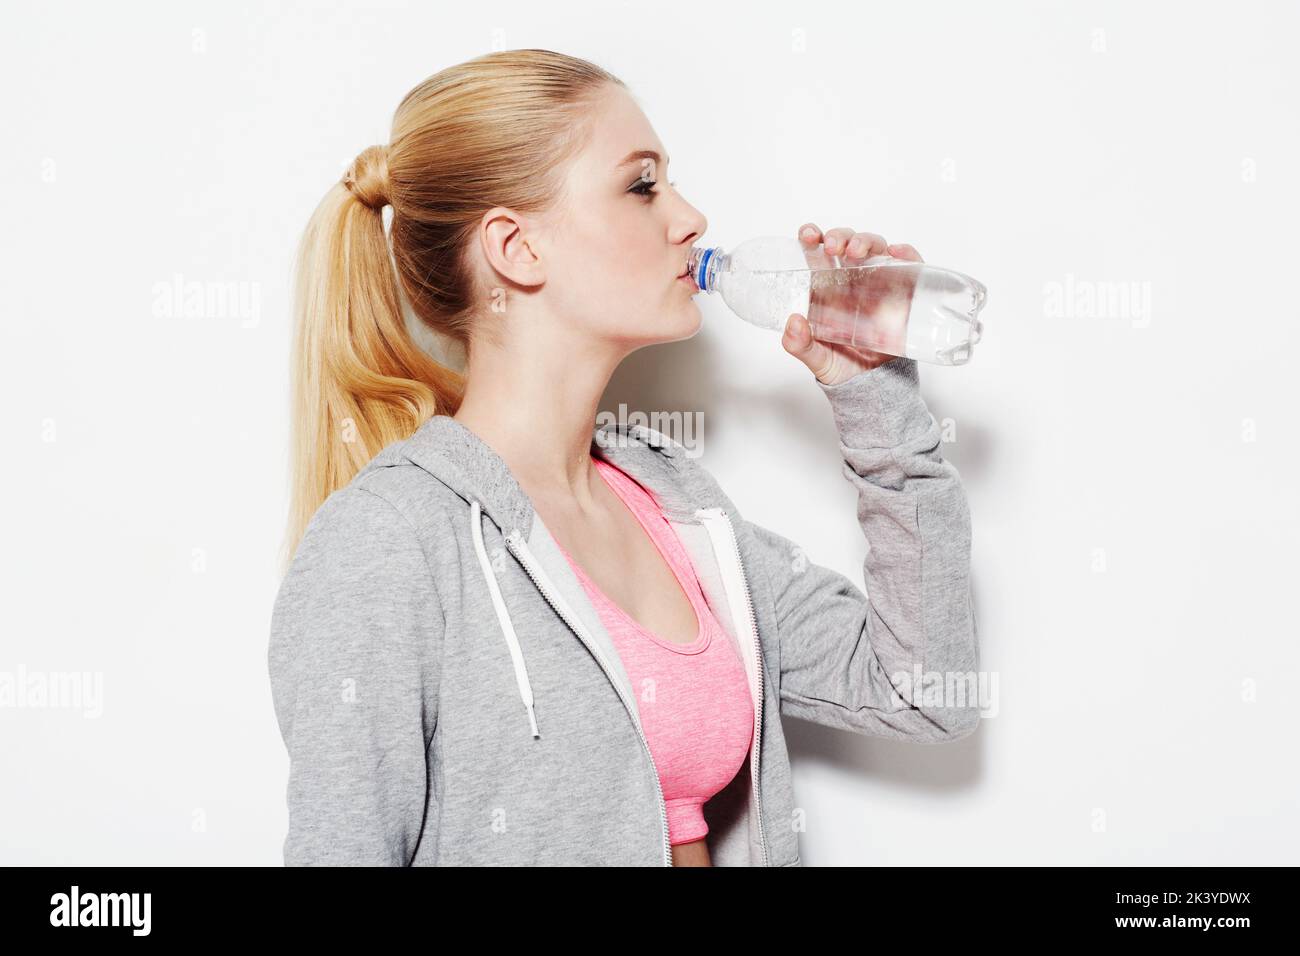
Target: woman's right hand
x,y
831,362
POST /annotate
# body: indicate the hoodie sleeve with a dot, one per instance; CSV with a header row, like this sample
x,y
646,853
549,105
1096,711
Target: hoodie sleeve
x,y
355,642
851,661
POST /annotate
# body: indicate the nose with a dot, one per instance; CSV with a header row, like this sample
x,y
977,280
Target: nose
x,y
693,226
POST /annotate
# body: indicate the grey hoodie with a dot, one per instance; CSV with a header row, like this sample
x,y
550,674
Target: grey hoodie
x,y
448,694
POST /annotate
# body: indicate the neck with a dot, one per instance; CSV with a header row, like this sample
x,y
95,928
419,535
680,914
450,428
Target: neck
x,y
535,405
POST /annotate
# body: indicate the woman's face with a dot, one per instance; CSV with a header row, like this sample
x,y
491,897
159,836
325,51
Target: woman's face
x,y
615,244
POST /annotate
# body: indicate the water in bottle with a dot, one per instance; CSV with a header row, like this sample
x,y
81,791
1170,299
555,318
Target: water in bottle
x,y
883,304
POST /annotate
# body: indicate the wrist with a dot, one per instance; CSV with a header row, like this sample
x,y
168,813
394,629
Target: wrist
x,y
868,366
880,407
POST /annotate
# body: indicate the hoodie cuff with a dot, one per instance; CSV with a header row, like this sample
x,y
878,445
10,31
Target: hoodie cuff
x,y
880,407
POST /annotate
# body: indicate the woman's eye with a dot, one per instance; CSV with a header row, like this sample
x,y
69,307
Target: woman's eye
x,y
644,187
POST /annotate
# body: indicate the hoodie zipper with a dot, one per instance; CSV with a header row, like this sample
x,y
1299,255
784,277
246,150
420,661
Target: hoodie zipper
x,y
758,664
520,549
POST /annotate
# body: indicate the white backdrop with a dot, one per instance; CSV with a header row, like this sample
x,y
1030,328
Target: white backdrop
x,y
1122,177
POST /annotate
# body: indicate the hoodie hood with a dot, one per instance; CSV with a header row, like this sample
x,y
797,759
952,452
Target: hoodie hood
x,y
467,465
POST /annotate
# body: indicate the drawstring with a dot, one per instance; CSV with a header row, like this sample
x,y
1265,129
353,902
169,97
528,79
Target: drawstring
x,y
521,673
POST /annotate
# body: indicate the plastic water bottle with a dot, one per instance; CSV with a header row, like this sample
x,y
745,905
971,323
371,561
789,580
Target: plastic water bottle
x,y
888,305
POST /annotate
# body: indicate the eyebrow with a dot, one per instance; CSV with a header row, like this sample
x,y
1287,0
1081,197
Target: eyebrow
x,y
639,154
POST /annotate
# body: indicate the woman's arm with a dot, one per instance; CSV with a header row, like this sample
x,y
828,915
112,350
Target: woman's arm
x,y
356,638
851,661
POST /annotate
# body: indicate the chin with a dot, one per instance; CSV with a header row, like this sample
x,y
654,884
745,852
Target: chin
x,y
685,322
676,321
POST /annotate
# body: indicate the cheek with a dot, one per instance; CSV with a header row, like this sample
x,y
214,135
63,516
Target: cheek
x,y
596,292
624,272
629,241
615,273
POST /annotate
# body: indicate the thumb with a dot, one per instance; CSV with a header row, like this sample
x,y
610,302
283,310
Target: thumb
x,y
798,341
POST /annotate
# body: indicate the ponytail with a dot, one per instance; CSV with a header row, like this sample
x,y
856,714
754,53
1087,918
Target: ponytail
x,y
359,381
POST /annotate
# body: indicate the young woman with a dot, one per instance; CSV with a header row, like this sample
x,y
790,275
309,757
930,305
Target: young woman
x,y
508,637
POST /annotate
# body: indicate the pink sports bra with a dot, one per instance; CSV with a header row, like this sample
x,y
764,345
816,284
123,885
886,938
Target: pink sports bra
x,y
693,698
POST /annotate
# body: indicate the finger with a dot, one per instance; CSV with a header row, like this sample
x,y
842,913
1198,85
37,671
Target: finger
x,y
810,234
903,250
837,239
865,244
799,342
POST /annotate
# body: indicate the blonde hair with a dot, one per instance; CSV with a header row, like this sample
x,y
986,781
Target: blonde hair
x,y
492,131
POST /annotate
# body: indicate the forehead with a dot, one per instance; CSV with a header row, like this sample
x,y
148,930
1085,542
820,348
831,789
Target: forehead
x,y
620,128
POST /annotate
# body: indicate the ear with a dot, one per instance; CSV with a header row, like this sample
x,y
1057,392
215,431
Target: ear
x,y
504,236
